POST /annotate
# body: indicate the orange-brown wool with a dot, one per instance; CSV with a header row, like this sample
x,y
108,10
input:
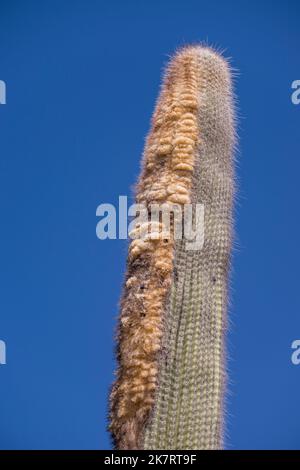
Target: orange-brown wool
x,y
166,178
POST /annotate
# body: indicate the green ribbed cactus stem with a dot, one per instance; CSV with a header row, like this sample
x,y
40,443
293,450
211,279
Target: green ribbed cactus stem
x,y
169,390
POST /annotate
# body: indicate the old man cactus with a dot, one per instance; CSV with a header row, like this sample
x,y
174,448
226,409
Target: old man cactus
x,y
169,388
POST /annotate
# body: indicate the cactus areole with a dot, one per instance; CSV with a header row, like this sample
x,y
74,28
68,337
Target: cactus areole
x,y
170,381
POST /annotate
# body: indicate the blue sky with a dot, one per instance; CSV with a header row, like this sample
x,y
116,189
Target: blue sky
x,y
82,79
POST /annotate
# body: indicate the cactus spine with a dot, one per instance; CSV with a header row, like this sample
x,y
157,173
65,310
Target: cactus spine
x,y
169,389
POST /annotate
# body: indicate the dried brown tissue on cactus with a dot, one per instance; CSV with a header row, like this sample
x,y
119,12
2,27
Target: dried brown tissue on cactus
x,y
169,387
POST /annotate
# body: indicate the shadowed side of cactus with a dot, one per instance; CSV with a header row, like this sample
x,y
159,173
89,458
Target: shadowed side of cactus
x,y
169,389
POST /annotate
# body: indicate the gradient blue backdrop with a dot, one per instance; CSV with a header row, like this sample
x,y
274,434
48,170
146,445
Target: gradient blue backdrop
x,y
82,78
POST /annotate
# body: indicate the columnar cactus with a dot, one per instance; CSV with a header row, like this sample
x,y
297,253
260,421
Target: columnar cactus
x,y
169,389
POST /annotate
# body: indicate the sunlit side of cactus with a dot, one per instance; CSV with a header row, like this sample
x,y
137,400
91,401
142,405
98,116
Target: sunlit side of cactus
x,y
169,389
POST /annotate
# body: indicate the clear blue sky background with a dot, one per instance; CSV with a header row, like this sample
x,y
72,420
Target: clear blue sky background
x,y
82,78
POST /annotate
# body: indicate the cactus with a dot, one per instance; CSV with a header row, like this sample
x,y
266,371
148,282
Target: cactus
x,y
169,389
